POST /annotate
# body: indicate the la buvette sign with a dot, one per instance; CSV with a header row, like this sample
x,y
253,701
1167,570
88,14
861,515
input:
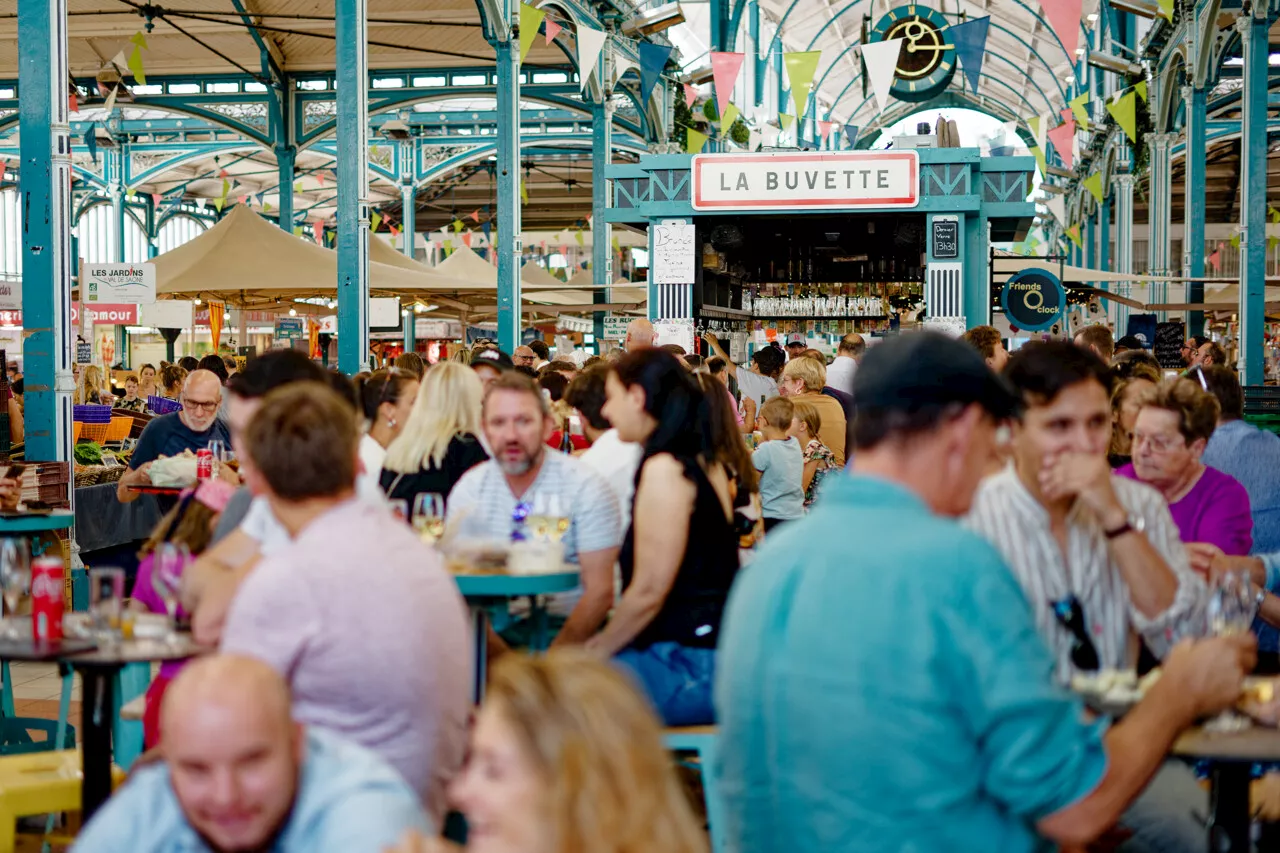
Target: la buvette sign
x,y
818,180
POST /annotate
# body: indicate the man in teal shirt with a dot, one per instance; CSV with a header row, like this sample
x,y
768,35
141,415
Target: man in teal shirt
x,y
881,685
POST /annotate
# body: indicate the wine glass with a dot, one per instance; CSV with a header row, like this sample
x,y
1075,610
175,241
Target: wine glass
x,y
428,516
169,562
15,579
218,448
1230,610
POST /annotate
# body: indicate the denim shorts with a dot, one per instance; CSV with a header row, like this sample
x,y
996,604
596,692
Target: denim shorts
x,y
676,678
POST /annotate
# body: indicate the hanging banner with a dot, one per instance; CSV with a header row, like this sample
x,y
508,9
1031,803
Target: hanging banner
x,y
590,44
1062,136
725,68
531,18
127,283
801,66
1064,20
881,58
653,58
1125,112
970,39
815,180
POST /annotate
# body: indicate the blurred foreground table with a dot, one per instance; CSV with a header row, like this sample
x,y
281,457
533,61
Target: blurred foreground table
x,y
1231,756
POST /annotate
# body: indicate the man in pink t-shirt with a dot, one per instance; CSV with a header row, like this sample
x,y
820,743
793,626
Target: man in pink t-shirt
x,y
358,614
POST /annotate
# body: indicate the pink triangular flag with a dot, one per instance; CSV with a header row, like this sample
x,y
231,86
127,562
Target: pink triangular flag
x,y
1064,18
156,198
564,250
466,239
2,169
1067,115
553,30
1061,137
824,128
242,199
222,173
690,94
1213,259
317,229
475,215
73,103
724,71
320,178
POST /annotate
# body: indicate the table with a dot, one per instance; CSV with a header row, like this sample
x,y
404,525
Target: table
x,y
483,592
1231,756
59,519
98,668
103,522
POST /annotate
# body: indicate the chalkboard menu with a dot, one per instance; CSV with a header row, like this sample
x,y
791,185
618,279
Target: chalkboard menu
x,y
946,239
84,352
1169,340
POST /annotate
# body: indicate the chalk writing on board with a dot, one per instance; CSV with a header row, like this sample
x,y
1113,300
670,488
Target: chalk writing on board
x,y
674,253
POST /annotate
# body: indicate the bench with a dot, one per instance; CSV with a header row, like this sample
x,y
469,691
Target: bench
x,y
700,740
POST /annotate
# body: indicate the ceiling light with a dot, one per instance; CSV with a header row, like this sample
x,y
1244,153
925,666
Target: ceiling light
x,y
293,312
196,300
654,20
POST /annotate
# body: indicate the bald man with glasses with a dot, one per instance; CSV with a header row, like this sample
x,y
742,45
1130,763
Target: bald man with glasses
x,y
191,428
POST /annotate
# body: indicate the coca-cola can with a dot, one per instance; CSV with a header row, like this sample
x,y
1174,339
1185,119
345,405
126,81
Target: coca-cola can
x,y
204,464
46,599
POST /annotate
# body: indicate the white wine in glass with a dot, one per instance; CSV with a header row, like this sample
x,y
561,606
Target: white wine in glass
x,y
428,516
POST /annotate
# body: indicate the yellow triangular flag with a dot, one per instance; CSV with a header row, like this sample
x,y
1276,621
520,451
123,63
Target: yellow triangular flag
x,y
524,192
1038,153
1078,110
1141,89
1093,184
297,230
785,120
1166,8
218,203
457,225
577,236
801,66
130,193
1073,234
1124,111
694,141
731,114
135,66
375,221
140,39
530,20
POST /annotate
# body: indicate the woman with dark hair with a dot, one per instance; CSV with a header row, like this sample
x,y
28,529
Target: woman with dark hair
x,y
385,399
215,365
188,363
675,583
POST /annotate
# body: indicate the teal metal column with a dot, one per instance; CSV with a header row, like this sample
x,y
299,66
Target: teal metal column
x,y
509,228
601,233
1124,236
1104,235
977,283
1091,240
407,238
1253,191
286,156
353,186
758,64
1193,220
45,187
113,166
1159,197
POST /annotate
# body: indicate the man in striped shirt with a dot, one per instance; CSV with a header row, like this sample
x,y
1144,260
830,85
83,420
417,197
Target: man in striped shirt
x,y
1098,556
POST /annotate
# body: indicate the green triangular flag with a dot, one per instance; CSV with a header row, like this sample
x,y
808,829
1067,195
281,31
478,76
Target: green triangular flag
x,y
1141,89
1166,8
1235,241
731,114
1073,234
375,220
1093,184
297,230
135,66
218,203
297,186
457,226
786,120
1038,153
530,20
801,66
1124,111
577,236
266,205
617,247
694,141
1078,110
1271,242
130,193
140,39
524,192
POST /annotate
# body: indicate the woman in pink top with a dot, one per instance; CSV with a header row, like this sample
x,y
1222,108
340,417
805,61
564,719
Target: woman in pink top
x,y
1169,437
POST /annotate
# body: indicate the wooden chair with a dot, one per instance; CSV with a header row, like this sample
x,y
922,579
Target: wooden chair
x,y
700,740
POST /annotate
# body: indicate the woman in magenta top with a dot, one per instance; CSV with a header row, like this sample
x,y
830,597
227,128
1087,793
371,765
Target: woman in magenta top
x,y
1169,437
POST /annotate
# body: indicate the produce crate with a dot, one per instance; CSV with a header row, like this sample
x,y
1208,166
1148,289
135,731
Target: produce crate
x,y
1262,406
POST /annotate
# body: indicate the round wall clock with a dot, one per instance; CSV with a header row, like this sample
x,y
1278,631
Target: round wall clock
x,y
928,58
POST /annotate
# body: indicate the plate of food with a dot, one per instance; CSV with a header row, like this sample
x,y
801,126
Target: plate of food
x,y
1113,692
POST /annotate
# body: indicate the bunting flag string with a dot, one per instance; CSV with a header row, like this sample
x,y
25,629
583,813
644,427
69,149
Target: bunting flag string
x,y
317,231
577,237
801,66
218,203
139,39
690,95
1141,89
553,29
825,128
694,141
881,59
970,39
590,45
1058,207
1073,234
1212,260
297,230
156,199
785,120
73,102
466,239
1165,8
653,58
725,68
475,215
531,18
135,66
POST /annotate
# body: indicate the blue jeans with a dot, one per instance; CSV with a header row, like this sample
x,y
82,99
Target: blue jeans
x,y
676,678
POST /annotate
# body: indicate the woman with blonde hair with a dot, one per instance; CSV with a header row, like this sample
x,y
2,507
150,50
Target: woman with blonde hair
x,y
91,389
440,440
566,757
818,458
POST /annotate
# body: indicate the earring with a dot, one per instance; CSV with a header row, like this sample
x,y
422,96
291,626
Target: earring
x,y
391,422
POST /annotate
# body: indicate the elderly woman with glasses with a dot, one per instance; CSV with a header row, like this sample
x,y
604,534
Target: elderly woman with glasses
x,y
1169,437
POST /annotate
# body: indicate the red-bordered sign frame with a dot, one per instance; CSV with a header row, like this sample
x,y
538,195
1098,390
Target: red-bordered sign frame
x,y
817,157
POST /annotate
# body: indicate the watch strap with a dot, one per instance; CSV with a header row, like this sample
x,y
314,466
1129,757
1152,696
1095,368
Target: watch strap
x,y
1114,533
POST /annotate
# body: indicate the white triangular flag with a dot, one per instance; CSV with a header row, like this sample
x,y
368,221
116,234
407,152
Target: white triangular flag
x,y
620,66
590,43
110,103
1058,207
200,203
1042,129
882,60
753,139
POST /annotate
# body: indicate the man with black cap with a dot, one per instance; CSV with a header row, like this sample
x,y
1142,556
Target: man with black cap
x,y
881,686
1098,556
490,363
796,345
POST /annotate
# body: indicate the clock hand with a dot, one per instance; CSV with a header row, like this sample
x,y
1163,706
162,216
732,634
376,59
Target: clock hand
x,y
913,47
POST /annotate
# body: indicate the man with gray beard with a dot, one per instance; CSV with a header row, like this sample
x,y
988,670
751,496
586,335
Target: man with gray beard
x,y
524,480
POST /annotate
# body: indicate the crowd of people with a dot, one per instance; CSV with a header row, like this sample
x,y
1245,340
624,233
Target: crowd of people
x,y
888,650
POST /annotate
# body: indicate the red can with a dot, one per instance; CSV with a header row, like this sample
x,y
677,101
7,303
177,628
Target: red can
x,y
46,599
204,464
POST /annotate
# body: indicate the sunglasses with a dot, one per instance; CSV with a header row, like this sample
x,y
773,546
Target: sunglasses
x,y
518,517
1070,615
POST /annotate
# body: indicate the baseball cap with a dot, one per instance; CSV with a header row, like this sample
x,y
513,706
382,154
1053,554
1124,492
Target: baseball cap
x,y
922,369
796,338
492,358
1131,342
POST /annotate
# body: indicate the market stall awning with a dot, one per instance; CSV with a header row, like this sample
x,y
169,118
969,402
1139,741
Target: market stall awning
x,y
1004,266
534,274
245,260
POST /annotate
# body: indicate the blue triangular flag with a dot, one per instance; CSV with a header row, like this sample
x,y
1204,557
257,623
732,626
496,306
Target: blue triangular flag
x,y
486,227
970,39
851,133
261,197
653,58
91,142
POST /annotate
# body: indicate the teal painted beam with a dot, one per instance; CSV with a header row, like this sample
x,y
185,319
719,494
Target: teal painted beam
x,y
601,233
1194,224
509,197
1253,192
353,185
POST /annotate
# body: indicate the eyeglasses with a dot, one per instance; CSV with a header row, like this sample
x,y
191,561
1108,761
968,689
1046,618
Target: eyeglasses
x,y
1158,443
1070,615
202,405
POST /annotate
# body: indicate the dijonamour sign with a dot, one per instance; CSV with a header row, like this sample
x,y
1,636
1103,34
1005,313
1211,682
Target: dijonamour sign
x,y
822,180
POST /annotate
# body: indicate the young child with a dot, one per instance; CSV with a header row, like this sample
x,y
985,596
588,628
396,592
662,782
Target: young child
x,y
190,523
818,458
131,400
780,462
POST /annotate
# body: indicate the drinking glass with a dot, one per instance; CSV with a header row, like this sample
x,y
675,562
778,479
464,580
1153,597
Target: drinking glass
x,y
1230,610
169,562
428,516
15,579
399,508
218,448
106,604
548,520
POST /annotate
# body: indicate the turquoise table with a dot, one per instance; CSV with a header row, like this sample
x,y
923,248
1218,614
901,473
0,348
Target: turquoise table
x,y
56,520
485,592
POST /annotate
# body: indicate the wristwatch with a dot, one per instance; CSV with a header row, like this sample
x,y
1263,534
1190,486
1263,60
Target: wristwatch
x,y
1132,524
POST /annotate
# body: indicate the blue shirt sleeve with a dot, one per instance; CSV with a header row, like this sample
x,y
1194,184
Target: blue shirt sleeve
x,y
760,457
149,443
1040,755
371,822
